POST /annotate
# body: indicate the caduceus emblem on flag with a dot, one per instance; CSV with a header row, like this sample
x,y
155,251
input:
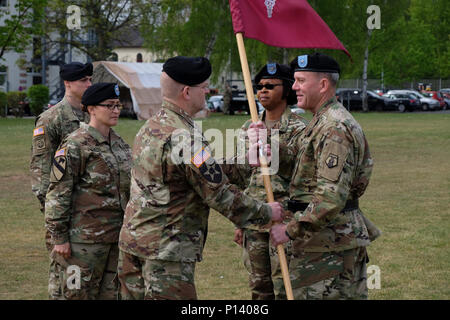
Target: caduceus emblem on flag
x,y
269,5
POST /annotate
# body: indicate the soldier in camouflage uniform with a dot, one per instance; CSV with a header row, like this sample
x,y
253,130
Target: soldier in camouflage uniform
x,y
273,84
333,167
87,197
51,127
174,182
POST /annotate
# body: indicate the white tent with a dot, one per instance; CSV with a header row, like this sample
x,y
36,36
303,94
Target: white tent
x,y
142,79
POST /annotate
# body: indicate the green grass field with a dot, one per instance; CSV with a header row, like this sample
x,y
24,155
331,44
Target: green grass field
x,y
408,198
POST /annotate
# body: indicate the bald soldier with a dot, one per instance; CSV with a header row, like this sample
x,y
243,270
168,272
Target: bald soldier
x,y
174,182
333,166
51,127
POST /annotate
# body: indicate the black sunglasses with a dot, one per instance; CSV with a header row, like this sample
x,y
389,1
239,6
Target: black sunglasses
x,y
112,106
268,86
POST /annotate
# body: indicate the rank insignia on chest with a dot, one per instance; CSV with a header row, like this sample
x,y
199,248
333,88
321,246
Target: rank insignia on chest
x,y
332,161
58,165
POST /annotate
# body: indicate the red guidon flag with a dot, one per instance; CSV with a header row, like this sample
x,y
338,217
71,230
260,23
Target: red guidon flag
x,y
283,23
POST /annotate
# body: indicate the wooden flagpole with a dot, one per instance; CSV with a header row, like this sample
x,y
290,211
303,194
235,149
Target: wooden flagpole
x,y
263,161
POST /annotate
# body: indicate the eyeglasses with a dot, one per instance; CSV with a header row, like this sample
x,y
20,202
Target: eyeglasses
x,y
268,86
112,106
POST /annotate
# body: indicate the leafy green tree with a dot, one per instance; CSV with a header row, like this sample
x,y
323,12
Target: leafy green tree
x,y
102,22
20,25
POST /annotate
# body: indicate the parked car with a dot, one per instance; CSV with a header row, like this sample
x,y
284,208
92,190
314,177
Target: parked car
x,y
216,102
427,103
436,95
378,92
446,95
407,102
352,100
239,102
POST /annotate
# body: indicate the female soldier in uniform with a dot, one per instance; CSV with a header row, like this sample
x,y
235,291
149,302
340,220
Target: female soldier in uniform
x,y
86,199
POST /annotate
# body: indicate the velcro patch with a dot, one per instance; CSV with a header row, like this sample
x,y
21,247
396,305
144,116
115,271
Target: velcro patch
x,y
38,131
40,144
334,157
60,152
200,157
332,160
211,172
58,165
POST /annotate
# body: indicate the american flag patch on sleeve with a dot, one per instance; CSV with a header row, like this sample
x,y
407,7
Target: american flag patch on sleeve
x,y
200,157
38,131
60,152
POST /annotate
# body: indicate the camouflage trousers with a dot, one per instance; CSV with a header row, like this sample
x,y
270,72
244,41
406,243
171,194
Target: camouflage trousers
x,y
54,285
155,279
329,275
89,274
261,261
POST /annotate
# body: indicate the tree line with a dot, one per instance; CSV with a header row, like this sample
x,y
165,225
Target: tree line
x,y
411,43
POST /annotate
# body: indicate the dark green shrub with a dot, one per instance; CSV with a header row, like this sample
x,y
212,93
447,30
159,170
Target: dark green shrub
x,y
3,103
38,96
16,102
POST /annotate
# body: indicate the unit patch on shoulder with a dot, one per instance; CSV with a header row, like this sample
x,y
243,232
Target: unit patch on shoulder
x,y
212,172
59,165
332,160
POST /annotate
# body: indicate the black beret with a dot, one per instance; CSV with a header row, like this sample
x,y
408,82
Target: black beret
x,y
188,70
100,92
317,62
75,71
274,71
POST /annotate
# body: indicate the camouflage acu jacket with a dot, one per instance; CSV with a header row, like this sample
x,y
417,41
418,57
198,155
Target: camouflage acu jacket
x,y
51,127
333,168
288,128
89,188
172,188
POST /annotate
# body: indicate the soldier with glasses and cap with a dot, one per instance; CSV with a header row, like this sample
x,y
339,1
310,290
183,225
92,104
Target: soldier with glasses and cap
x,y
51,127
86,200
274,91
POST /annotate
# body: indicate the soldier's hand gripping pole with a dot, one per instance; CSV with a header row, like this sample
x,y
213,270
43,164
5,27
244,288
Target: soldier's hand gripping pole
x,y
263,161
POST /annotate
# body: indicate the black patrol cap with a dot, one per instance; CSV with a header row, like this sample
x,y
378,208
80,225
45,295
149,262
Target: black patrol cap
x,y
274,71
100,92
316,62
75,71
188,70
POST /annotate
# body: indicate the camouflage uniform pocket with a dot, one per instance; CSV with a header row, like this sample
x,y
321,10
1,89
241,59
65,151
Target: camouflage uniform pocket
x,y
75,277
